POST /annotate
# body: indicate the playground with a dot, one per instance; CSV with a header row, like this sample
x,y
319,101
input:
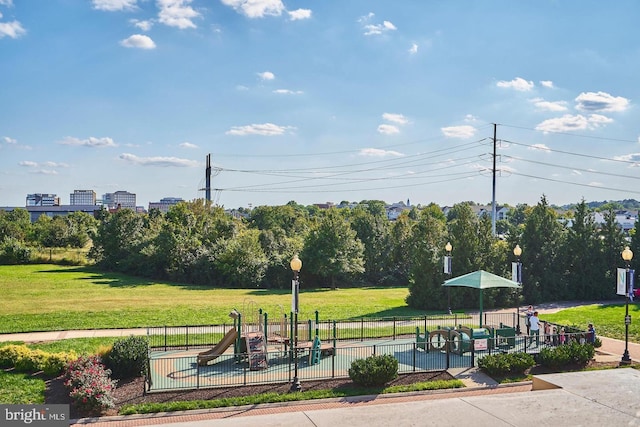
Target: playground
x,y
258,349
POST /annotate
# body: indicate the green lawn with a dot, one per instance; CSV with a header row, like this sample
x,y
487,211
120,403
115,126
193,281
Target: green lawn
x,y
50,297
607,319
20,389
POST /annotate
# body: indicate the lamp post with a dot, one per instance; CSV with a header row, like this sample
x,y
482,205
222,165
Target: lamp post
x,y
447,270
296,265
517,251
627,255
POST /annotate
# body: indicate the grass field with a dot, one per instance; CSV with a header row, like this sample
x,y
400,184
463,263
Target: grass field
x,y
51,297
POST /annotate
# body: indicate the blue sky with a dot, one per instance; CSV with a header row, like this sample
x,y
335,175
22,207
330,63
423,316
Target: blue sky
x,y
318,101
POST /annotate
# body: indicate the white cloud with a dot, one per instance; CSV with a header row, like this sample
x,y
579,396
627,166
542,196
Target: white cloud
x,y
395,118
413,49
6,3
188,145
47,172
470,118
464,131
256,8
633,157
143,25
28,164
569,122
11,29
376,152
15,141
50,164
266,75
541,104
114,5
546,83
89,142
139,41
575,172
265,129
540,147
388,129
601,102
518,84
177,13
378,29
299,14
288,92
159,161
242,87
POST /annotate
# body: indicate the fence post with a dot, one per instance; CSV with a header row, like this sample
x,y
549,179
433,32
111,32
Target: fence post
x,y
374,349
165,338
317,323
362,329
473,353
415,350
394,328
197,375
186,339
447,345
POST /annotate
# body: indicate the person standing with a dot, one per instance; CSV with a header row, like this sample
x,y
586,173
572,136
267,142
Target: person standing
x,y
534,325
527,318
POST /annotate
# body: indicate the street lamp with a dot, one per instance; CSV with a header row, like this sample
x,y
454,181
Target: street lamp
x,y
447,270
627,255
296,265
517,251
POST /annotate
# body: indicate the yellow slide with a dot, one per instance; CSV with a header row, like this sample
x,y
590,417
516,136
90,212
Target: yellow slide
x,y
207,356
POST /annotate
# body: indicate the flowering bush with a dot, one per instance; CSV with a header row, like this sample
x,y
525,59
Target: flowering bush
x,y
89,385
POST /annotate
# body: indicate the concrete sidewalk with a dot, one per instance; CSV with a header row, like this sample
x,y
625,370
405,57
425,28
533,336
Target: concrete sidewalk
x,y
588,399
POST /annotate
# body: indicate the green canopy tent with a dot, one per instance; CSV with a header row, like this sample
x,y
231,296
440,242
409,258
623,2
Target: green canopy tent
x,y
481,280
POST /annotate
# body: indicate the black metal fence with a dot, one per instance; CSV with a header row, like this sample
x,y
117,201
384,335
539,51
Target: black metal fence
x,y
185,337
427,343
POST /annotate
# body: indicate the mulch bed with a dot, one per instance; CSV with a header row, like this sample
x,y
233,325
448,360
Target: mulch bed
x,y
132,391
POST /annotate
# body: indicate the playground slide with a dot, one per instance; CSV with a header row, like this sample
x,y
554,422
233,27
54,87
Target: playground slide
x,y
207,356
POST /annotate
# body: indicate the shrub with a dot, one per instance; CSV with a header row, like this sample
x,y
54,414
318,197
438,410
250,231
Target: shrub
x,y
13,251
128,357
507,363
374,370
89,385
24,359
563,355
11,354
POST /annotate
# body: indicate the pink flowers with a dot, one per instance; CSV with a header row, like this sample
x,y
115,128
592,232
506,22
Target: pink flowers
x,y
89,384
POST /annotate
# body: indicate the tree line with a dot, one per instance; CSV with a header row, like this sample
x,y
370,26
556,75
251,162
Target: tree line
x,y
198,243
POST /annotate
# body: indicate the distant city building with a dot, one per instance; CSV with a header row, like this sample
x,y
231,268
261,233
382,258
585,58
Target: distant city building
x,y
40,199
164,204
82,197
119,199
36,212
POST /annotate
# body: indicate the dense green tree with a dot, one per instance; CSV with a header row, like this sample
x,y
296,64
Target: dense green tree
x,y
584,267
15,224
119,242
401,242
427,274
332,251
372,229
241,260
613,243
542,241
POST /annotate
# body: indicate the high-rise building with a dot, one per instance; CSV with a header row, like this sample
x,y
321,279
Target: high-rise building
x,y
122,199
164,204
82,197
41,199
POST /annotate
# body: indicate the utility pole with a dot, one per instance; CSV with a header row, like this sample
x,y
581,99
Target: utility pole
x,y
493,198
